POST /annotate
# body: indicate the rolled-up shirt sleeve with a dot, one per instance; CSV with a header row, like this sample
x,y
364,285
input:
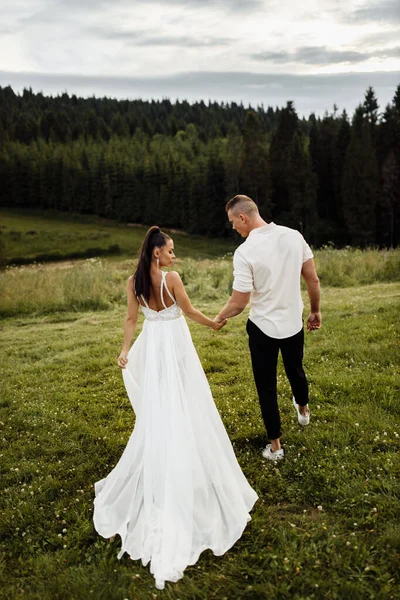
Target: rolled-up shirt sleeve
x,y
242,274
307,252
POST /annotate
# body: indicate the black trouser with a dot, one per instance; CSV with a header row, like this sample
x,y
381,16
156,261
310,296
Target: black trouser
x,y
264,352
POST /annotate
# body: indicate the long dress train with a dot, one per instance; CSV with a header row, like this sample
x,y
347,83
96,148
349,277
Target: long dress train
x,y
177,488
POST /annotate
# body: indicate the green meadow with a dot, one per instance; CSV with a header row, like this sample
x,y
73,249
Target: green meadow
x,y
40,237
326,525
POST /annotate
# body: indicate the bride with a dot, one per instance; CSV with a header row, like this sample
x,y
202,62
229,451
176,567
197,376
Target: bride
x,y
177,488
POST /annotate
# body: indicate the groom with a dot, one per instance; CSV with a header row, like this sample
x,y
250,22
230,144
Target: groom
x,y
267,269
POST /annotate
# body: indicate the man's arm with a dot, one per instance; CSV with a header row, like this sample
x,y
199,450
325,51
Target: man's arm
x,y
242,279
314,293
235,305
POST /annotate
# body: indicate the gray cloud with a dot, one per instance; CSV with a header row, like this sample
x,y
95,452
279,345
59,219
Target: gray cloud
x,y
185,41
234,5
313,55
390,52
379,38
311,93
141,38
386,10
230,5
321,55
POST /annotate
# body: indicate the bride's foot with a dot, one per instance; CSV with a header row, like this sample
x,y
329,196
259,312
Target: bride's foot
x,y
160,584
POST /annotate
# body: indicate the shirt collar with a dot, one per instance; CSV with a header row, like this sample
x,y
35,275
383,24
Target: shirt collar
x,y
262,229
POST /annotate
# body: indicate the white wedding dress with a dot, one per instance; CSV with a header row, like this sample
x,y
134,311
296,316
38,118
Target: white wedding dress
x,y
177,488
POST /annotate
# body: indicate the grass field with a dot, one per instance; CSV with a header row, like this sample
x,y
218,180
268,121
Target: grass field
x,y
40,237
327,521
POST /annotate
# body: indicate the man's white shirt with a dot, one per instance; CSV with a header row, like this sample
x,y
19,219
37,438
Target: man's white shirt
x,y
268,264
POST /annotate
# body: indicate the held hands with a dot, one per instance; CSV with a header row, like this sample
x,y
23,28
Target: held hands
x,y
218,324
314,321
122,361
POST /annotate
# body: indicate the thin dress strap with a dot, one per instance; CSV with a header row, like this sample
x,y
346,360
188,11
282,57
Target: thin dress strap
x,y
144,300
164,285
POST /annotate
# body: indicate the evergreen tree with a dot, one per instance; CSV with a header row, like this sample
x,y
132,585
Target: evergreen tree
x,y
48,126
326,201
151,207
119,126
314,144
371,107
388,217
91,127
302,213
339,157
389,205
254,174
26,129
279,157
198,219
233,160
167,216
215,196
360,183
181,194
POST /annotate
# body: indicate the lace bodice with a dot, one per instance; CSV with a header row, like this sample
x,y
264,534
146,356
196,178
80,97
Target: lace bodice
x,y
168,313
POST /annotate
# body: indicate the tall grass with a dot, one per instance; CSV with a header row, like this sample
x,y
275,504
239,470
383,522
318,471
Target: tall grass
x,y
352,266
89,285
95,284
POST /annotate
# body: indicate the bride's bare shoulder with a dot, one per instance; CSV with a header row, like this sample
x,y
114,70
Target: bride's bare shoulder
x,y
131,284
174,280
174,276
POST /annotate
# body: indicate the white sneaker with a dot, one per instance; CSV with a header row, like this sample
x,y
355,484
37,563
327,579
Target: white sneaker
x,y
302,419
270,455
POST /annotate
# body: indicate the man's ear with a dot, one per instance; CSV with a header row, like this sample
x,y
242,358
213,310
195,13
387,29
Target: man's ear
x,y
243,218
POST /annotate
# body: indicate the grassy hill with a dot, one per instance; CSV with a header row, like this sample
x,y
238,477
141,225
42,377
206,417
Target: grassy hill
x,y
26,237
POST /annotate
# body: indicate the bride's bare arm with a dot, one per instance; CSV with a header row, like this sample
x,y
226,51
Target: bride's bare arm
x,y
178,290
129,323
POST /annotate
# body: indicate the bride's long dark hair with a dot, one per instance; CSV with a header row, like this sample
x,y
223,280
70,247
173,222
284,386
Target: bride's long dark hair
x,y
155,238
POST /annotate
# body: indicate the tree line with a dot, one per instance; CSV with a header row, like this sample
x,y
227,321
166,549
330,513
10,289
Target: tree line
x,y
334,178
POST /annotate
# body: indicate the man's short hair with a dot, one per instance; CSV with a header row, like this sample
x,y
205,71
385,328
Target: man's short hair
x,y
241,204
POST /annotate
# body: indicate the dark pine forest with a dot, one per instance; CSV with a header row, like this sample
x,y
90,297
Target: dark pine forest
x,y
335,178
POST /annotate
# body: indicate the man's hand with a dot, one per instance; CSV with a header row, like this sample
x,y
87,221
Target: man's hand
x,y
314,321
218,323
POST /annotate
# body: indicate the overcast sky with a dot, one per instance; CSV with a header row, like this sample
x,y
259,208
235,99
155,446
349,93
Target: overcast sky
x,y
314,52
